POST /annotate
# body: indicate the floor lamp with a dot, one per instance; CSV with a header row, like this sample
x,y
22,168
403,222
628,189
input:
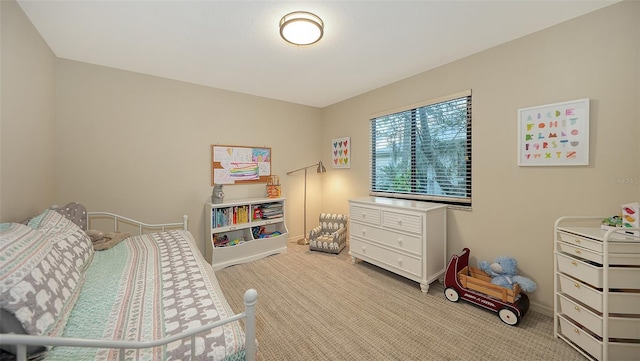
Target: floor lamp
x,y
320,169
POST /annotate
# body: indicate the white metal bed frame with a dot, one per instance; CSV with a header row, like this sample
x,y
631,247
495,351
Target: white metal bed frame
x,y
249,314
141,225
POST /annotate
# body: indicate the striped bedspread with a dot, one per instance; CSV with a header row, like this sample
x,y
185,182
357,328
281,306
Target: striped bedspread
x,y
149,287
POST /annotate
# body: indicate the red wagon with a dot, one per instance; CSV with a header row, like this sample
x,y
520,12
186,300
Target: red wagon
x,y
473,285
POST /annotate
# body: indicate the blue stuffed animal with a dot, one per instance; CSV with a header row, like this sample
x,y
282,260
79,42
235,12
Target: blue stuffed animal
x,y
503,272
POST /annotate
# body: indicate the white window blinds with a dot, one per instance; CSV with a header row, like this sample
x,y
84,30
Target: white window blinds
x,y
423,151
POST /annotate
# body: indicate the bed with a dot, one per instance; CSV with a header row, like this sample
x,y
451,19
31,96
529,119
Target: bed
x,y
151,296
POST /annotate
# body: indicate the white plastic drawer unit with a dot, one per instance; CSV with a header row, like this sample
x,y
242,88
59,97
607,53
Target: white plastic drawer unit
x,y
588,254
590,238
601,322
620,302
619,277
587,341
619,327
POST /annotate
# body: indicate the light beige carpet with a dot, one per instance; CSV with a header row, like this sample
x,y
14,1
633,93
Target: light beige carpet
x,y
320,306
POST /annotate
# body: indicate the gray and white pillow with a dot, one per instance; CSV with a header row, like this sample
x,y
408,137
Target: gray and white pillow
x,y
39,282
68,237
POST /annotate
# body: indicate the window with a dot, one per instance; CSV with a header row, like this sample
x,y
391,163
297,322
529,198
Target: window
x,y
424,151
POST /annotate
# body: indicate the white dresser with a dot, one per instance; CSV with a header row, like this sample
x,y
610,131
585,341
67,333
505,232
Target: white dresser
x,y
597,273
405,237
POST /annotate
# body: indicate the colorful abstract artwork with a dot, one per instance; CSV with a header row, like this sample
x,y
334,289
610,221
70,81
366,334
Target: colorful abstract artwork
x,y
232,164
554,134
341,152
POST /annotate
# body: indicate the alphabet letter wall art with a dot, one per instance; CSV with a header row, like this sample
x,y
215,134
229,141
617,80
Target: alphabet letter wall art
x,y
554,134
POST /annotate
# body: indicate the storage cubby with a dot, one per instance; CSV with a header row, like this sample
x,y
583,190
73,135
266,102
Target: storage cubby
x,y
244,230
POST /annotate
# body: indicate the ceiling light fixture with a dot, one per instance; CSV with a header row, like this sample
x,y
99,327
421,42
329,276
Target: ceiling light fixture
x,y
301,28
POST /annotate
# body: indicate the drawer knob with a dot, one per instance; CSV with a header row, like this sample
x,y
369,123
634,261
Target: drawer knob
x,y
576,330
574,263
400,242
399,261
577,240
576,285
399,222
364,249
364,231
578,251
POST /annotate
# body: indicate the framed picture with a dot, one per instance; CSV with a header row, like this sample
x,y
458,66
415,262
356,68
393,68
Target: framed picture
x,y
236,164
554,134
341,152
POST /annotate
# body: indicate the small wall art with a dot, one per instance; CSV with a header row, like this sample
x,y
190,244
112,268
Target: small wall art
x,y
554,134
341,152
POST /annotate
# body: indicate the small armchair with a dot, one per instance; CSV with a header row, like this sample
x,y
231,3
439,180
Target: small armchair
x,y
331,235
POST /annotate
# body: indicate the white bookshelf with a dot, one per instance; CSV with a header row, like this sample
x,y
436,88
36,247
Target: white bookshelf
x,y
235,221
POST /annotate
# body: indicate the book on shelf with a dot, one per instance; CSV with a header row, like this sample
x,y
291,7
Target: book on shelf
x,y
267,213
223,217
271,210
271,206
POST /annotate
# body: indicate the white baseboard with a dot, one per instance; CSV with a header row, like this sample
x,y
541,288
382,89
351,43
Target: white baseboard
x,y
545,310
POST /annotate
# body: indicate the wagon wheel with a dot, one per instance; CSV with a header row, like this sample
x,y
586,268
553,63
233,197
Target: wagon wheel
x,y
508,316
451,294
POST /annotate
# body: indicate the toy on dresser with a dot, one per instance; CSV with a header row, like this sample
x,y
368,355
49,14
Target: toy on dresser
x,y
631,218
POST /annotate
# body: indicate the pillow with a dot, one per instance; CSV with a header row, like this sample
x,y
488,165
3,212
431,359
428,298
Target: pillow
x,y
72,241
76,213
38,283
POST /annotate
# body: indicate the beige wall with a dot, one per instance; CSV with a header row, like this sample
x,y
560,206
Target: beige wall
x,y
27,172
132,143
140,145
596,56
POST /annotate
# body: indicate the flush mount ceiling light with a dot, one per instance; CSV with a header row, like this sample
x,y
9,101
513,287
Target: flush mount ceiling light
x,y
301,28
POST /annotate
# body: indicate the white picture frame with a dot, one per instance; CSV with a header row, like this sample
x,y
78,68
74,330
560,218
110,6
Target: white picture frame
x,y
341,152
554,134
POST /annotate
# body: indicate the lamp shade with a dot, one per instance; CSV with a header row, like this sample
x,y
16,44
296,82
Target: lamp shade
x,y
321,168
301,28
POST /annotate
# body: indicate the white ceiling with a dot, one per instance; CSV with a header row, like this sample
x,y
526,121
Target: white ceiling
x,y
235,45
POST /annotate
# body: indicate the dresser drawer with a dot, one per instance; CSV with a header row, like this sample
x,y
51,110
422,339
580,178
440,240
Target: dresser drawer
x,y
619,327
364,215
586,341
619,277
400,241
402,221
620,302
389,258
585,253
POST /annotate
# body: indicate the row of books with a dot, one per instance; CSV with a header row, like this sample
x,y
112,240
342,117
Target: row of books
x,y
232,215
222,217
